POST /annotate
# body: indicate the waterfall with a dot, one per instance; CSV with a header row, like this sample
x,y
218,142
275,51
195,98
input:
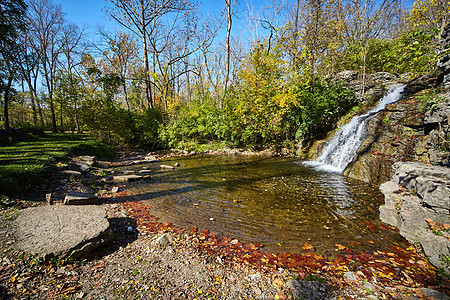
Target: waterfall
x,y
342,148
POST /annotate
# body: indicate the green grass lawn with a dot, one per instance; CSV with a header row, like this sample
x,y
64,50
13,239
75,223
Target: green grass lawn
x,y
28,162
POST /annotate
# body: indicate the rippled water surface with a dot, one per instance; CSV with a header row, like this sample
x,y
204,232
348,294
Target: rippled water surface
x,y
274,201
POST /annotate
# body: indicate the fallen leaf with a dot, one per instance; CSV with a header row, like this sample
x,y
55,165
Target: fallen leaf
x,y
307,246
340,247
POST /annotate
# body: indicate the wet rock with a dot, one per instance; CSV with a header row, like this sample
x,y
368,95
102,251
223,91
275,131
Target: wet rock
x,y
80,198
312,290
177,165
61,230
396,134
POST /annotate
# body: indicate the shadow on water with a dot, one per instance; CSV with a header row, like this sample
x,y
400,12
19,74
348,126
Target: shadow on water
x,y
274,201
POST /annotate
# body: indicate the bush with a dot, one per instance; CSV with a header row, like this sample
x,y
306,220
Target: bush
x,y
94,147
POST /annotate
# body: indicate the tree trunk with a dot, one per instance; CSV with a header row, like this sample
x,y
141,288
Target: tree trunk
x,y
52,111
227,67
148,88
5,107
6,96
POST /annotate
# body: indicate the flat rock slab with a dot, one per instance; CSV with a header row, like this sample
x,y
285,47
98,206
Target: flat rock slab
x,y
61,230
127,178
80,198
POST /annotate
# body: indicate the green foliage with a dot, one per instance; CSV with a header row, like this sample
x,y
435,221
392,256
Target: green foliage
x,y
199,122
318,108
93,147
412,52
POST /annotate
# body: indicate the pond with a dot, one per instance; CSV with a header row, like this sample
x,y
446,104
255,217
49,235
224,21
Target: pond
x,y
278,202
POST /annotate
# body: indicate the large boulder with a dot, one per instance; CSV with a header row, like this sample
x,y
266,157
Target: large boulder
x,y
62,231
416,195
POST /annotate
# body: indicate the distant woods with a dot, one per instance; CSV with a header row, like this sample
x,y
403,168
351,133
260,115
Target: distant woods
x,y
178,76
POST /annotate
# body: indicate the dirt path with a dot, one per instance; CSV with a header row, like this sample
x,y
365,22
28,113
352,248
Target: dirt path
x,y
198,265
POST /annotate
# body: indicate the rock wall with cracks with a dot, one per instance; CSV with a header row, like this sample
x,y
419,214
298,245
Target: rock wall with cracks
x,y
416,197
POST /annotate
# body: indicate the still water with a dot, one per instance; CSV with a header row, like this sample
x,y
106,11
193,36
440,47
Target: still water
x,y
278,202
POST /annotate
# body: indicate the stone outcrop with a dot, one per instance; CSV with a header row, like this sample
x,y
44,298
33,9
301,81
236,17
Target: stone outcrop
x,y
443,63
373,86
417,193
396,134
404,131
437,126
61,230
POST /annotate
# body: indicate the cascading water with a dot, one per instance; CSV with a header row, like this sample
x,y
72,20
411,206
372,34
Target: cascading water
x,y
342,148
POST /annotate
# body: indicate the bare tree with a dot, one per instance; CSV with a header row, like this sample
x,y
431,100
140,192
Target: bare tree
x,y
46,20
72,49
229,6
368,19
142,17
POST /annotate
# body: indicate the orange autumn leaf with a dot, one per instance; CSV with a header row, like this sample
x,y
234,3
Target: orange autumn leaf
x,y
307,246
340,247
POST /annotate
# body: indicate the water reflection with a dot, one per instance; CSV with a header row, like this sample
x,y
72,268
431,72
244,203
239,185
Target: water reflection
x,y
278,202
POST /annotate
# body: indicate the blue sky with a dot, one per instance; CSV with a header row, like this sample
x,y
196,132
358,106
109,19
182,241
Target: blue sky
x,y
92,14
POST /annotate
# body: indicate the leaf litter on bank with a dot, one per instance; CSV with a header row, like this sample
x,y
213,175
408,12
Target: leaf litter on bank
x,y
400,266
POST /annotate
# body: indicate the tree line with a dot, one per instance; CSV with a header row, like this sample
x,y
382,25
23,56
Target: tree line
x,y
176,77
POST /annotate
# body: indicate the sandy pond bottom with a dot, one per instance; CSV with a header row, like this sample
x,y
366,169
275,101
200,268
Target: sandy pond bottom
x,y
277,202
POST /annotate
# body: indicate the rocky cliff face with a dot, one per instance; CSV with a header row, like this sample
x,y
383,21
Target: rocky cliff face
x,y
417,202
404,131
